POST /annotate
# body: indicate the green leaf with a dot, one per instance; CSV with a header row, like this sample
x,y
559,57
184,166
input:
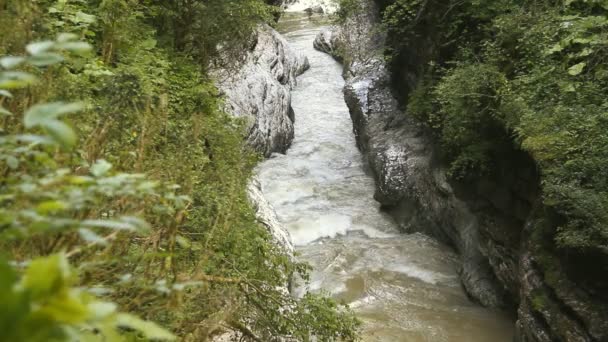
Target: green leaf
x,y
39,47
8,277
61,133
91,237
12,162
149,44
111,224
15,79
100,168
4,112
150,330
139,224
66,37
556,48
581,40
41,113
51,206
46,276
35,139
6,93
577,69
45,59
76,47
81,17
80,180
183,241
10,62
101,310
67,309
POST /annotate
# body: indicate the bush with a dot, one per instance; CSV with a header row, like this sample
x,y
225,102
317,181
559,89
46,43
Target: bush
x,y
201,264
526,74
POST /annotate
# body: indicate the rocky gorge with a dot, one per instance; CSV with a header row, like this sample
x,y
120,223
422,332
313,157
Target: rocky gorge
x,y
304,170
493,224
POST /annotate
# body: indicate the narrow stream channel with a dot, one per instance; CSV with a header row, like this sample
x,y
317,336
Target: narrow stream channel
x,y
404,287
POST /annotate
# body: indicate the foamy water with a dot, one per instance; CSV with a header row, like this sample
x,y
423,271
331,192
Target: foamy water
x,y
403,287
329,6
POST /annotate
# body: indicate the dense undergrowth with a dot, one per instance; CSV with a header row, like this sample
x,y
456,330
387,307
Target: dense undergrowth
x,y
526,74
135,195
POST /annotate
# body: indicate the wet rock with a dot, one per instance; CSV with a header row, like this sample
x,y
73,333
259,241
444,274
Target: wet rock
x,y
401,153
258,89
266,215
315,10
327,41
502,263
553,307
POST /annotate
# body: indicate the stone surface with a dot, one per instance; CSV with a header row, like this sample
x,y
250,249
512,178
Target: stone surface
x,y
266,215
401,154
327,41
259,91
503,263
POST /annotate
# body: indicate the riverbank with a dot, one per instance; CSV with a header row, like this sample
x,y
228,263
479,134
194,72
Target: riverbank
x,y
403,287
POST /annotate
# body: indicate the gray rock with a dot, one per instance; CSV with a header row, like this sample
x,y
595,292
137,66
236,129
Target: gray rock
x,y
327,41
401,153
315,10
259,90
266,215
485,224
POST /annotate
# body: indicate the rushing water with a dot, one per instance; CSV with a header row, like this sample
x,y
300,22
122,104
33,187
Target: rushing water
x,y
403,287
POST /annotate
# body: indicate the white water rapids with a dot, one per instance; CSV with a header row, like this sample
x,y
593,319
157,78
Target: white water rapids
x,y
403,287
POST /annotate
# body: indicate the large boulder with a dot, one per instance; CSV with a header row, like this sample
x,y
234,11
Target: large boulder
x,y
259,90
327,41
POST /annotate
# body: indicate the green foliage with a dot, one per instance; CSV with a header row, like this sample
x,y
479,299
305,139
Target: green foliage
x,y
39,198
190,256
469,110
46,305
212,31
347,9
527,74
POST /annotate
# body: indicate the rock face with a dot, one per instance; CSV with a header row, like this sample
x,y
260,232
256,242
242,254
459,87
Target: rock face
x,y
266,215
327,41
259,91
505,260
400,152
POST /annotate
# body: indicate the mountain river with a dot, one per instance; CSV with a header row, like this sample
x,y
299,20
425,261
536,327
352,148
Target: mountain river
x,y
403,287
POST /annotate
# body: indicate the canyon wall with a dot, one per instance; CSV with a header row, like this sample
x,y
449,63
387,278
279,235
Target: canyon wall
x,y
259,90
496,224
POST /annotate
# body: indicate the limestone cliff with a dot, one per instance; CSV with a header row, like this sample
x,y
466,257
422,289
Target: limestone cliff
x,y
495,224
259,90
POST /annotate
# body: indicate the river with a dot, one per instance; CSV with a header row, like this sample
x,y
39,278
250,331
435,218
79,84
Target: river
x,y
403,287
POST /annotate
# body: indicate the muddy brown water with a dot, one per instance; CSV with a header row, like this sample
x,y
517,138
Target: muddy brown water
x,y
403,287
